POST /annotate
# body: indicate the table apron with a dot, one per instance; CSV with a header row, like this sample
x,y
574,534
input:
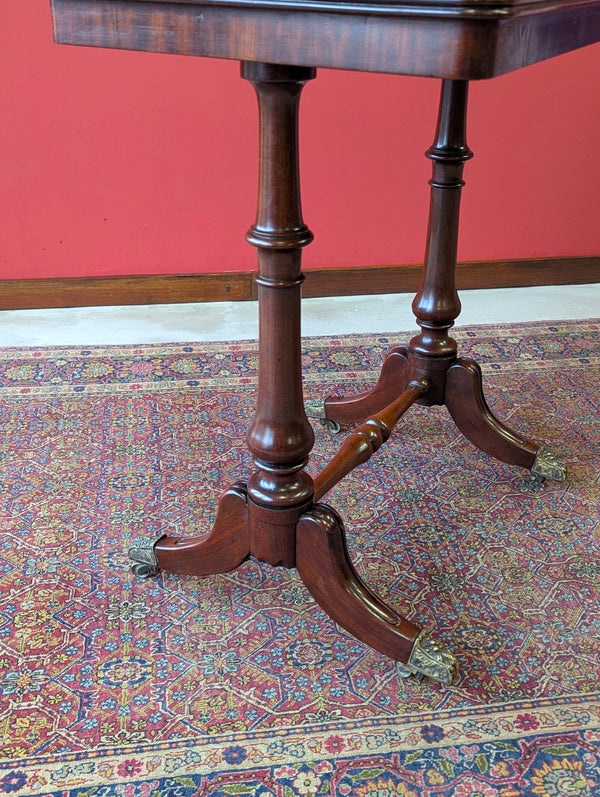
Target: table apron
x,y
450,47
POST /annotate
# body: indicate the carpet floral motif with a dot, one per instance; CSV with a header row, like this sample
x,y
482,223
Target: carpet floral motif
x,y
239,684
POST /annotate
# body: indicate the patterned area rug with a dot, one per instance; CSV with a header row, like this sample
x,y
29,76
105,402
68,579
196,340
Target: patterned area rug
x,y
239,684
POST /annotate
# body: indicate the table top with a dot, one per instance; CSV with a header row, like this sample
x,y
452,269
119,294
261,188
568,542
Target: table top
x,y
459,39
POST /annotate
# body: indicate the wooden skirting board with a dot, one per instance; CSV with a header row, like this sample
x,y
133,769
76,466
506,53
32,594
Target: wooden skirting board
x,y
240,286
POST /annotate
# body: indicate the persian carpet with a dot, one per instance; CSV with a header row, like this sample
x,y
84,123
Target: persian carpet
x,y
239,684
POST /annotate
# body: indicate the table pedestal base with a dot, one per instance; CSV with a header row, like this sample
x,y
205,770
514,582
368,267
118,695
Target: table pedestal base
x,y
463,396
277,517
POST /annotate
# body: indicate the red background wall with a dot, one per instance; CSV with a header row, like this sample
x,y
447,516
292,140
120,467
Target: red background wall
x,y
131,163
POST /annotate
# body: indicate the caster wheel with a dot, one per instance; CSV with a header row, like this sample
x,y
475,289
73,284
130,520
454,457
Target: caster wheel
x,y
140,570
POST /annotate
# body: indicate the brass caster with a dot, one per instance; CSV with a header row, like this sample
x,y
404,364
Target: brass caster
x,y
429,659
317,411
404,671
548,466
143,557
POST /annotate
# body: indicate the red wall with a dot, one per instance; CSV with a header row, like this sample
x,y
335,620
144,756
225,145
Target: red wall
x,y
131,163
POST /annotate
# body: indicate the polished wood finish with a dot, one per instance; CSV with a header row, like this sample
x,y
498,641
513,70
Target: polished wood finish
x,y
223,549
436,305
360,446
324,564
280,437
466,40
432,354
468,407
276,517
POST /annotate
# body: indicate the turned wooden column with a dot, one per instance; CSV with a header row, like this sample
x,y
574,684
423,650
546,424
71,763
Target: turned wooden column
x,y
280,437
436,304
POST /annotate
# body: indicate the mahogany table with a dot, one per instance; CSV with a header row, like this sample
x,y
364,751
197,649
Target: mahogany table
x,y
278,517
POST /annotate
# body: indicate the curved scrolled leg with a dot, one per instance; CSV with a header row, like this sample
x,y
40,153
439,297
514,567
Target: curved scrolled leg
x,y
393,380
468,407
324,565
226,546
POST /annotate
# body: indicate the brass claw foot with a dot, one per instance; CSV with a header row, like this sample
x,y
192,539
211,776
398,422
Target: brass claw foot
x,y
429,658
548,466
143,557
